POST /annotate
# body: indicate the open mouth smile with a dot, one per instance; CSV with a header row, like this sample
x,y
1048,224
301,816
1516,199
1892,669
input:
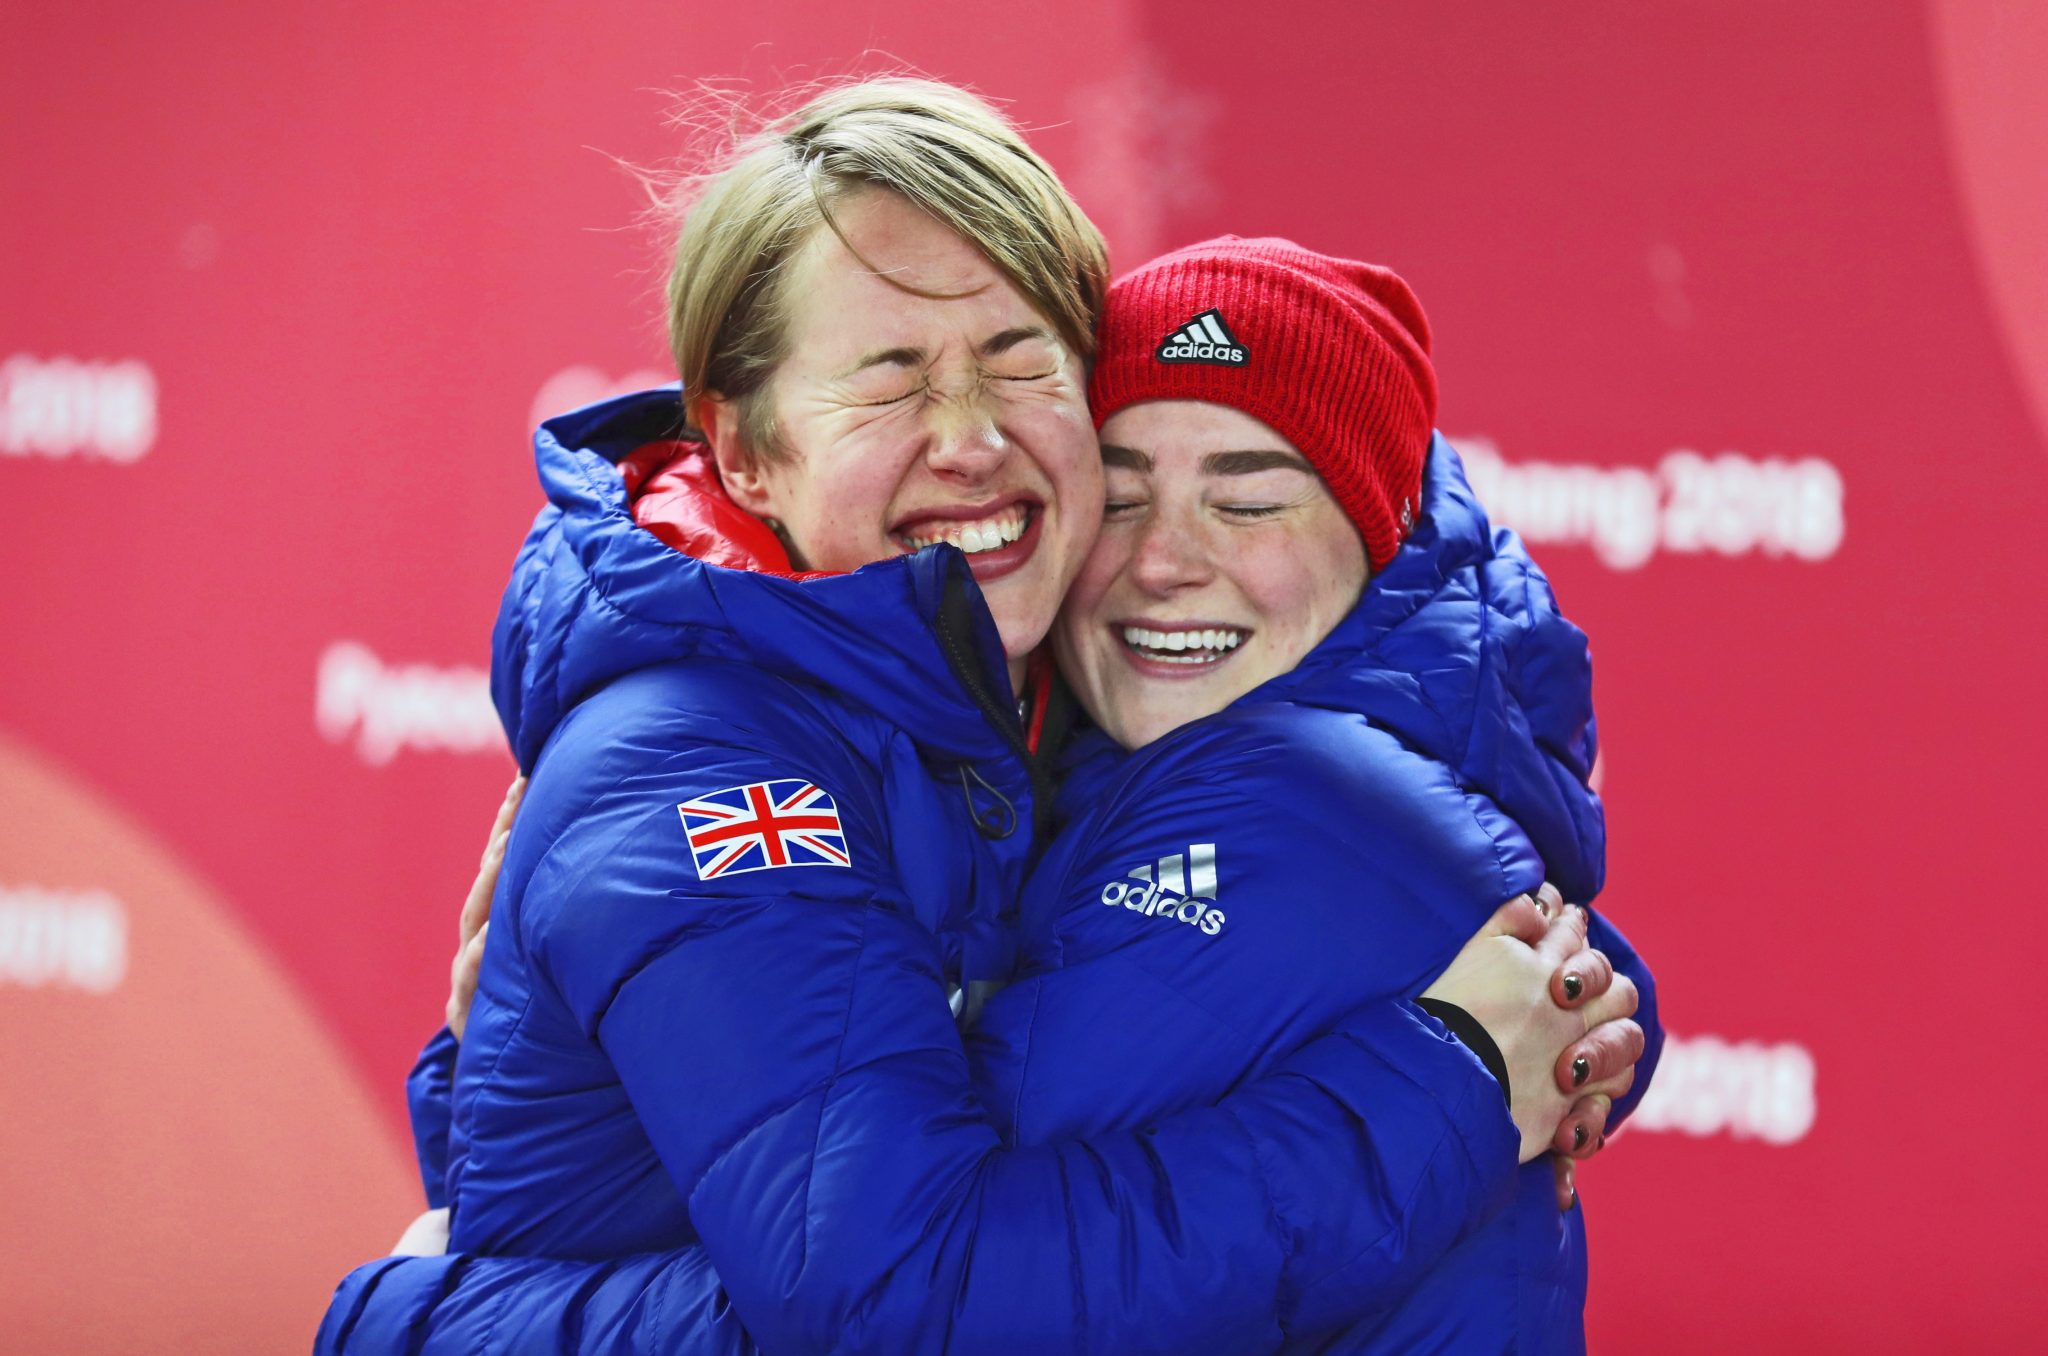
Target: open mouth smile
x,y
1178,649
973,536
996,540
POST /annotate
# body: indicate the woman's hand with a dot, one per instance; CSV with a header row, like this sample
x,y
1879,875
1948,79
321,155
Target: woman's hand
x,y
426,1236
1559,1015
1583,1131
1567,1189
476,913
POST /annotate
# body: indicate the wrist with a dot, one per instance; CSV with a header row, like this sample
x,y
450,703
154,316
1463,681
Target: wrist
x,y
1473,1037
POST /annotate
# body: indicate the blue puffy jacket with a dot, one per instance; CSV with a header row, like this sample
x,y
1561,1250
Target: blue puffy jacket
x,y
659,1058
1219,897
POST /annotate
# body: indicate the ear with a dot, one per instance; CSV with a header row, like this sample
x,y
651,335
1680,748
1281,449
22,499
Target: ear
x,y
738,468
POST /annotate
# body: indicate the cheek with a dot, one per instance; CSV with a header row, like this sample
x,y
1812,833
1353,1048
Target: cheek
x,y
1303,591
1058,434
1081,625
853,490
1090,557
1280,581
1088,599
1081,487
1073,523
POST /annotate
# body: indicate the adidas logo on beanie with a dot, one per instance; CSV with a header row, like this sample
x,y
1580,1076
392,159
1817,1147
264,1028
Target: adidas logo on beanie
x,y
1333,355
1205,339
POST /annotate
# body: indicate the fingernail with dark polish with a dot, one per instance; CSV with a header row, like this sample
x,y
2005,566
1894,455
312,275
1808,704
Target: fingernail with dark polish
x,y
1580,1068
1572,985
1578,1137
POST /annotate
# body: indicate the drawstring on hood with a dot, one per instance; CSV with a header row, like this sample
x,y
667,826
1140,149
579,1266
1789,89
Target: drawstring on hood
x,y
1000,824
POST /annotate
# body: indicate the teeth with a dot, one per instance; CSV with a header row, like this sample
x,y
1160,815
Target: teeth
x,y
1183,647
987,534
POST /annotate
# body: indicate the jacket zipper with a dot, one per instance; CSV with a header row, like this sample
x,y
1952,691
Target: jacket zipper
x,y
973,677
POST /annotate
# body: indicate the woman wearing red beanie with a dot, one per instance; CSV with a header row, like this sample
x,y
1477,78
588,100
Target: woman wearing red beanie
x,y
1357,696
1336,717
1324,362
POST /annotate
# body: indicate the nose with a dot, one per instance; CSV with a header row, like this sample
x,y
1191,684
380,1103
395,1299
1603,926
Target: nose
x,y
967,443
1171,554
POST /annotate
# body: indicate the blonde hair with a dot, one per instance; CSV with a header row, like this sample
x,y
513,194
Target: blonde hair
x,y
941,148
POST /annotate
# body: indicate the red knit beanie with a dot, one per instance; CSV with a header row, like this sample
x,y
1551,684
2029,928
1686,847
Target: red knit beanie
x,y
1332,353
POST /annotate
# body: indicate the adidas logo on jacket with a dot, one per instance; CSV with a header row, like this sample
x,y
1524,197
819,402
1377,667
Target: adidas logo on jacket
x,y
1176,892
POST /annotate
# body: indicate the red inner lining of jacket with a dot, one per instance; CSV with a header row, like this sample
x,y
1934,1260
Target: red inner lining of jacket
x,y
676,494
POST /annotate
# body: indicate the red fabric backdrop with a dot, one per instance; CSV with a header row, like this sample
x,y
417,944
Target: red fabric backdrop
x,y
1742,314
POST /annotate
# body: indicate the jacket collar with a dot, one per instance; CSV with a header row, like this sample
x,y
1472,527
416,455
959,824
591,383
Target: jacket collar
x,y
598,592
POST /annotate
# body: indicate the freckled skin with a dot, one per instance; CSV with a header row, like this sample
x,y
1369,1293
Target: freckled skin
x,y
1269,553
941,428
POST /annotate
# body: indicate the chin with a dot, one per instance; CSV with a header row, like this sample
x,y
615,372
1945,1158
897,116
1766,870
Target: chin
x,y
1020,629
1179,707
1136,734
1022,620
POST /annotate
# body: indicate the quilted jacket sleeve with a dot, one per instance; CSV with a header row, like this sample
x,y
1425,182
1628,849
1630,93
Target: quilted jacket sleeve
x,y
1627,961
668,1305
428,1092
1288,1196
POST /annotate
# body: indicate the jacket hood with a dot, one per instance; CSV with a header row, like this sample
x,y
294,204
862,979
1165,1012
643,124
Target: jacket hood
x,y
1458,649
640,559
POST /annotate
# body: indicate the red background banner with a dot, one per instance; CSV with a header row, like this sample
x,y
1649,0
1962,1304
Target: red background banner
x,y
1741,316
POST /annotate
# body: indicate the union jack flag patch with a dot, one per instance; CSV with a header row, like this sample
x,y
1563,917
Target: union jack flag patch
x,y
790,822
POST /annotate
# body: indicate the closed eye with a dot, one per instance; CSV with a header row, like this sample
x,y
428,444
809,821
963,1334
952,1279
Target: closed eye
x,y
890,400
1251,510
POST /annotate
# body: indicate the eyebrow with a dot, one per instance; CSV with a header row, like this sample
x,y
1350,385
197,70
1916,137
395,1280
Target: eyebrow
x,y
886,357
1215,463
990,347
1251,463
1010,338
